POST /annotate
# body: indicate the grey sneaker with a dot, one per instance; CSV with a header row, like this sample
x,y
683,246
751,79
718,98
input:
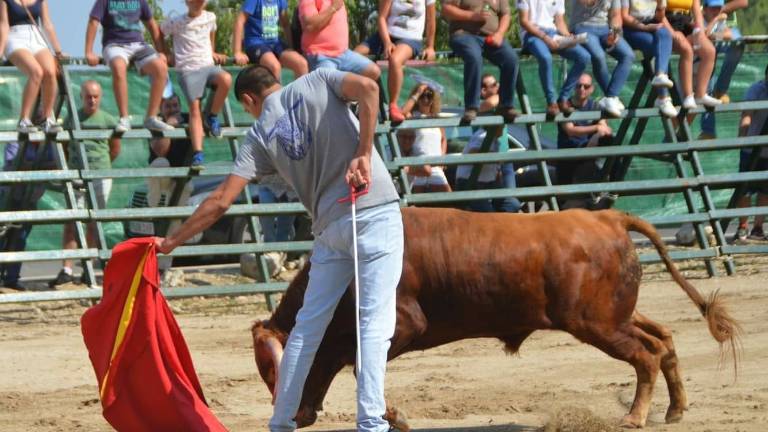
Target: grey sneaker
x,y
740,236
50,126
154,124
123,125
26,126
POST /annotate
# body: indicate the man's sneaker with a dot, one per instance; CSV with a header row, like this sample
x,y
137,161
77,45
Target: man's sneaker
x,y
706,136
618,103
61,279
741,235
608,106
50,127
469,115
662,80
508,113
211,122
689,102
395,115
757,234
566,107
197,161
154,124
26,126
552,110
123,125
708,101
665,106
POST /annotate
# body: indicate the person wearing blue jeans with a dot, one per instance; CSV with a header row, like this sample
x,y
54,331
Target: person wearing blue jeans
x,y
542,27
478,30
644,32
291,137
276,228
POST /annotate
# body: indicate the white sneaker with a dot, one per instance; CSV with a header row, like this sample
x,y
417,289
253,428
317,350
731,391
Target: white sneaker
x,y
154,124
662,80
689,103
709,101
274,262
664,104
618,103
123,125
609,106
50,126
26,126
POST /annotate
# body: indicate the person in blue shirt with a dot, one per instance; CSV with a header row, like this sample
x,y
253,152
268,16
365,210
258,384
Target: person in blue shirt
x,y
256,38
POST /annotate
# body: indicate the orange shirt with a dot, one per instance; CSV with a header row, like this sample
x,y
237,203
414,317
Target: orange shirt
x,y
330,41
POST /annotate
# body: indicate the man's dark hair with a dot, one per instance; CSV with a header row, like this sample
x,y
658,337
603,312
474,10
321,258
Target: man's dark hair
x,y
254,79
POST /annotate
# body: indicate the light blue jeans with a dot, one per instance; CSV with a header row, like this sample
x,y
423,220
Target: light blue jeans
x,y
657,44
597,42
348,61
578,55
380,252
733,51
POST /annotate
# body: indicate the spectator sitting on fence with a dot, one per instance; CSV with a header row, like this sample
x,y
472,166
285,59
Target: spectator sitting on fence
x,y
23,43
196,64
178,151
123,43
325,39
21,197
544,31
478,30
401,24
489,178
424,102
256,37
754,122
644,31
99,154
685,20
601,21
717,14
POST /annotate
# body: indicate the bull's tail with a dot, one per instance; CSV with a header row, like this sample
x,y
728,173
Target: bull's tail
x,y
723,327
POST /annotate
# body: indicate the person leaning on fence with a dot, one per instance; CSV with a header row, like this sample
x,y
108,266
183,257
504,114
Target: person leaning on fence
x,y
194,37
601,21
645,31
123,43
720,21
424,102
544,31
256,37
754,122
401,25
325,39
292,137
684,19
178,151
99,154
23,43
478,29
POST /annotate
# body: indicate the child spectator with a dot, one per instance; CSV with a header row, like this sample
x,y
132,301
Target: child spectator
x,y
644,31
325,38
401,24
478,30
193,36
542,28
123,43
22,42
601,21
256,37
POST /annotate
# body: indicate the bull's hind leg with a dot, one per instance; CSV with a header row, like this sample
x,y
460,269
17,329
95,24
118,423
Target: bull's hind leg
x,y
678,401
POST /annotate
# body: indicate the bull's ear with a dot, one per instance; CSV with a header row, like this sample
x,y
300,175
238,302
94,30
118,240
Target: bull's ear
x,y
268,351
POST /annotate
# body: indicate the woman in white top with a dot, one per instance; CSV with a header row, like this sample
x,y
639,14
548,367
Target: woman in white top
x,y
22,42
425,102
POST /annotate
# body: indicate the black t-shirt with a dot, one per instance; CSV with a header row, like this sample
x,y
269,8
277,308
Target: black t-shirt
x,y
180,153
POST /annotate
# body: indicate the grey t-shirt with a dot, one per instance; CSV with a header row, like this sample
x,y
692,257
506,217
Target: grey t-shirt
x,y
593,13
307,134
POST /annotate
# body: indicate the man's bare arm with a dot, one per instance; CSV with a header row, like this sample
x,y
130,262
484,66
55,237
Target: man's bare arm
x,y
365,92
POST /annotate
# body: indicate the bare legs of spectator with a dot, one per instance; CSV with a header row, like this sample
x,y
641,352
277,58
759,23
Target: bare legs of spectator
x,y
40,70
372,71
682,46
157,70
120,85
289,58
196,125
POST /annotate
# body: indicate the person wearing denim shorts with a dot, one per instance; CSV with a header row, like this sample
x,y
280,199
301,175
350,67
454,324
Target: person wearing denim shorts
x,y
292,138
325,39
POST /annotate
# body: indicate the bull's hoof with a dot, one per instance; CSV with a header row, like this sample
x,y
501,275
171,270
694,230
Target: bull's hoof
x,y
674,415
305,417
397,419
631,421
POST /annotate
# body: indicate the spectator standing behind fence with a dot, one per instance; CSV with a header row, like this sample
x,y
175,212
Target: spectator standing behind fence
x,y
720,21
401,25
325,39
601,21
644,31
754,122
684,18
478,29
99,154
194,36
23,43
256,37
123,43
273,189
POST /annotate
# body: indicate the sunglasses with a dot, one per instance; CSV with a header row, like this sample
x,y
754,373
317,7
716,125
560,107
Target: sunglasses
x,y
489,85
427,95
584,86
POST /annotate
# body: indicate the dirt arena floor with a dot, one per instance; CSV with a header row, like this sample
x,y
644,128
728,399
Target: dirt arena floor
x,y
555,384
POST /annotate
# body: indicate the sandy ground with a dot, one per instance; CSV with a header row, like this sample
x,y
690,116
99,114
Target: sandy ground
x,y
47,383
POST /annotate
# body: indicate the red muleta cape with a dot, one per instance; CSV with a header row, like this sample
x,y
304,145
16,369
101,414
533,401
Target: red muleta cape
x,y
146,378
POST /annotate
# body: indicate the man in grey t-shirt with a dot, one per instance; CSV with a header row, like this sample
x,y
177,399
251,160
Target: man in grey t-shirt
x,y
306,133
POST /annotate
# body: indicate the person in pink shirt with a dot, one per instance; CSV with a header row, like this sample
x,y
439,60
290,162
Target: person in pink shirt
x,y
325,39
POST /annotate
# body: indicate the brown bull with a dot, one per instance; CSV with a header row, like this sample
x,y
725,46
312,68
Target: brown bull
x,y
470,275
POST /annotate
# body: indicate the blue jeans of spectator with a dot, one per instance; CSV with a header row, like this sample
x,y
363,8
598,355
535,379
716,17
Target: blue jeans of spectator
x,y
348,61
597,42
578,55
656,44
380,256
733,51
511,204
275,228
472,48
14,240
